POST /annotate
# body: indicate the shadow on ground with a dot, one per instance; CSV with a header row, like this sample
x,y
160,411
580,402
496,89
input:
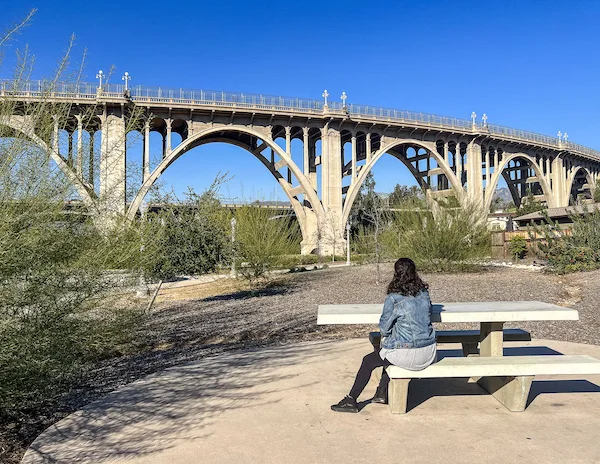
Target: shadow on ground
x,y
166,407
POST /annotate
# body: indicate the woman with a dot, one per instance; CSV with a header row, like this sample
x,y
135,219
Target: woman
x,y
409,336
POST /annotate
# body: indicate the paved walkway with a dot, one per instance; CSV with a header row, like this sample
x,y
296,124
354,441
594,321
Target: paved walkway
x,y
272,406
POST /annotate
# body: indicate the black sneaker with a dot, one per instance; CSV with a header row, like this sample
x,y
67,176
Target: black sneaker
x,y
346,405
380,397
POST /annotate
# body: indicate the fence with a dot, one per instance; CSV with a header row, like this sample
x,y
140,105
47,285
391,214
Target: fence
x,y
501,241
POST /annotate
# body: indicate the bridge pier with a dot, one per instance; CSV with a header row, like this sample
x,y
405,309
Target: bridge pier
x,y
330,230
112,201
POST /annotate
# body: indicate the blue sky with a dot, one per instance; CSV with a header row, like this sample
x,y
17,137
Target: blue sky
x,y
532,65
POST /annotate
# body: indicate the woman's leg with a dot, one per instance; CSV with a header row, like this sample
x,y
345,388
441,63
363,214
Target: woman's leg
x,y
369,362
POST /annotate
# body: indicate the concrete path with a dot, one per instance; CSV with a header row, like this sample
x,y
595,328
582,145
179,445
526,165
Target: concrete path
x,y
272,406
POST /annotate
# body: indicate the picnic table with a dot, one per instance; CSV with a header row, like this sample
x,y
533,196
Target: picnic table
x,y
491,315
507,379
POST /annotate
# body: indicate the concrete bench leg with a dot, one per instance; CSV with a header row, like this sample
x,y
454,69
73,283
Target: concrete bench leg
x,y
470,349
491,337
512,392
398,395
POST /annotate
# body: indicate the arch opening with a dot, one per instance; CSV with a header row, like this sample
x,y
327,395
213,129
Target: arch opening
x,y
302,199
424,164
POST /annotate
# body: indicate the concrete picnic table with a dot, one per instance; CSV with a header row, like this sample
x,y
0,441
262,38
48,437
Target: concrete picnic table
x,y
491,315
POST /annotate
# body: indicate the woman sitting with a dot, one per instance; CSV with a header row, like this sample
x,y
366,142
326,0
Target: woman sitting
x,y
408,338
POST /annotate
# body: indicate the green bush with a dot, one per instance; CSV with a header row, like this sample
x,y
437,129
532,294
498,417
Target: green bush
x,y
190,238
564,257
451,239
59,291
577,251
58,307
517,247
262,241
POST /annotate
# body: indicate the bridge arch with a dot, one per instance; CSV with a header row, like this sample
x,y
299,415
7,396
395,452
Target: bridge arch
x,y
575,182
264,141
498,170
22,125
428,147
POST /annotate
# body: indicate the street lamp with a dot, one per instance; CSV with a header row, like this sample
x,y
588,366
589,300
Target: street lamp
x,y
100,76
325,94
565,136
484,119
126,77
559,135
344,97
233,223
473,116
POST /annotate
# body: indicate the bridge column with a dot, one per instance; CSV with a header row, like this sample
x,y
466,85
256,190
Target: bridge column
x,y
70,150
474,173
91,160
331,230
146,159
559,183
305,153
353,178
167,149
79,167
112,168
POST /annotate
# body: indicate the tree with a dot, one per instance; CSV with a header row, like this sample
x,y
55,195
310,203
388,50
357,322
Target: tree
x,y
370,213
529,204
262,240
596,196
406,196
58,273
193,236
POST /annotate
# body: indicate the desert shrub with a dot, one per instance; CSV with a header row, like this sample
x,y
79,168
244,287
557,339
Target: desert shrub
x,y
577,251
517,247
60,275
262,241
59,301
192,237
450,239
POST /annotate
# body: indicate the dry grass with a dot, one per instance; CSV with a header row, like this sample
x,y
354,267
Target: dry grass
x,y
201,290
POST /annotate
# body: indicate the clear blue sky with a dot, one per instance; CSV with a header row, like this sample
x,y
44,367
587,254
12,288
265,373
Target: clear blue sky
x,y
532,64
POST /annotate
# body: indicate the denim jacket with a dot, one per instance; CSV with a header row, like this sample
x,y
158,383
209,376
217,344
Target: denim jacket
x,y
406,321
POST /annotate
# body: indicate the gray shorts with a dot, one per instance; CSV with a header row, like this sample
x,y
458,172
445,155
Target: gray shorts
x,y
414,359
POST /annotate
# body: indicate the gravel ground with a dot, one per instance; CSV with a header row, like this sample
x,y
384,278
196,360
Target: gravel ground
x,y
183,331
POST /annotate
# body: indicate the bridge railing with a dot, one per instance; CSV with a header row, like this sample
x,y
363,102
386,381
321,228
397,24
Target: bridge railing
x,y
142,94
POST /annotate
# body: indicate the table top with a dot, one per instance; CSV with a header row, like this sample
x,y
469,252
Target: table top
x,y
476,311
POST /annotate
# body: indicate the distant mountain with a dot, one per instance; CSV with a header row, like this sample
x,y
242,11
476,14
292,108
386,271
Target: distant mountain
x,y
503,194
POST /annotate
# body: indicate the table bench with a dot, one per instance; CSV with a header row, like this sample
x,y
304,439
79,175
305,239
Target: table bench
x,y
468,338
508,379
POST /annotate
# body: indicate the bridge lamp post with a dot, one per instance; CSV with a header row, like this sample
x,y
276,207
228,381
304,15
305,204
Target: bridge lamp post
x,y
559,135
233,223
325,94
100,76
344,97
473,116
126,77
565,137
484,118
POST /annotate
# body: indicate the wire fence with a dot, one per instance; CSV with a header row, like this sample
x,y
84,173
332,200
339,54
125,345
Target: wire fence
x,y
142,94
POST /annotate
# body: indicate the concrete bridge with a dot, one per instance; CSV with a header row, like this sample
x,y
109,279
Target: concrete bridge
x,y
341,143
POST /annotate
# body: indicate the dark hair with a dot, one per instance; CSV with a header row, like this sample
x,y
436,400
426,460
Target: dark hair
x,y
406,281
